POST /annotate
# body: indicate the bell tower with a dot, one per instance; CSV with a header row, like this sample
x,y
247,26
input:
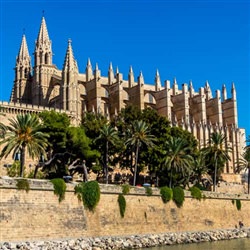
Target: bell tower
x,y
21,89
43,68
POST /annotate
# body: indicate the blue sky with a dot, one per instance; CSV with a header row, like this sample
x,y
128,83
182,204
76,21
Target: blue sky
x,y
190,40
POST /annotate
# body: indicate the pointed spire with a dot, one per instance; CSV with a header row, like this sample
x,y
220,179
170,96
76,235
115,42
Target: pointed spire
x,y
110,73
43,50
175,87
224,92
233,92
157,81
117,70
43,35
88,70
140,78
97,72
23,52
69,61
131,78
191,88
208,91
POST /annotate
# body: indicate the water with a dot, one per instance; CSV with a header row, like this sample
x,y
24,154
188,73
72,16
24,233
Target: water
x,y
238,244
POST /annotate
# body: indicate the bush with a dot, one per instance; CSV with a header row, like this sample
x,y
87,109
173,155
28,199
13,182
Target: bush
x,y
14,170
122,204
125,189
23,184
195,193
178,196
59,188
238,204
148,191
166,194
89,193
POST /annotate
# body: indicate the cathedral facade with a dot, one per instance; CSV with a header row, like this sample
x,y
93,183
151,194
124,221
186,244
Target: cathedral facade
x,y
44,86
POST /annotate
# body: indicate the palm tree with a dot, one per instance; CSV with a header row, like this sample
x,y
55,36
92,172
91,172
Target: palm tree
x,y
177,158
108,135
139,135
24,132
244,164
216,154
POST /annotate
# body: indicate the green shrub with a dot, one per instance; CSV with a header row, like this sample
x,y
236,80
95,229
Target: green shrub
x,y
23,184
148,191
125,189
166,194
59,188
89,192
122,204
195,193
238,204
14,170
178,196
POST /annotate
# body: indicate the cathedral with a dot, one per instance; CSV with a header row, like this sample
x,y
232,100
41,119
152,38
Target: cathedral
x,y
43,87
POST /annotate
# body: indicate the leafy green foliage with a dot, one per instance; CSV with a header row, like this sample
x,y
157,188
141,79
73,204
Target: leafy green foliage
x,y
166,194
216,155
238,204
122,204
67,145
148,191
177,159
14,170
89,193
23,184
195,193
178,196
125,189
24,133
59,188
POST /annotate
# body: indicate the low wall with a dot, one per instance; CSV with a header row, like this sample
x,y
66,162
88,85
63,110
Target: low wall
x,y
37,214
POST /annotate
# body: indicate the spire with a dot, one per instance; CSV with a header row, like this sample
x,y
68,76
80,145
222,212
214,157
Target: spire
x,y
43,50
191,88
43,35
23,52
117,70
175,87
110,73
233,92
69,61
97,71
224,92
131,78
140,78
208,91
88,70
157,81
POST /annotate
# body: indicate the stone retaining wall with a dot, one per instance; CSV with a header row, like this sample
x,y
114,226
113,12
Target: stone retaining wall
x,y
37,214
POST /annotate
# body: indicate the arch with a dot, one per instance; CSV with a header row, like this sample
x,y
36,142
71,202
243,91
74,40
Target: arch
x,y
46,58
82,89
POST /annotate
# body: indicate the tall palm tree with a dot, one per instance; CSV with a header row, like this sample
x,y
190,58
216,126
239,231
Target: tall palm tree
x,y
216,153
109,136
139,135
24,132
177,158
244,164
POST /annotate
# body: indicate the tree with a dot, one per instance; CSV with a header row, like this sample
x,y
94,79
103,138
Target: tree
x,y
244,164
139,135
24,132
177,158
108,136
68,150
216,155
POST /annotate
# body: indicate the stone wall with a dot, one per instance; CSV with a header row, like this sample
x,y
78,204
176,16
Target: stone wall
x,y
37,214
